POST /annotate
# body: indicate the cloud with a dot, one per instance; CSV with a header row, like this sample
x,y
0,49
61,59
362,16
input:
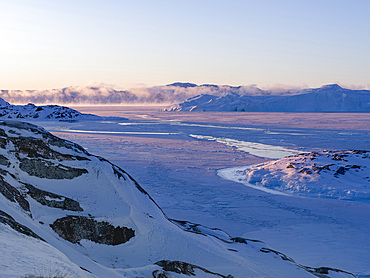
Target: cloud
x,y
97,93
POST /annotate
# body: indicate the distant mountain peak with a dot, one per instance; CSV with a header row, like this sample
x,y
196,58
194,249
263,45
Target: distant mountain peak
x,y
210,86
183,85
328,98
331,87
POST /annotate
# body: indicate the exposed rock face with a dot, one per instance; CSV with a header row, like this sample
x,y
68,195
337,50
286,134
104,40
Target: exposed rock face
x,y
52,200
182,268
75,228
45,169
8,220
38,131
39,148
36,155
3,160
13,195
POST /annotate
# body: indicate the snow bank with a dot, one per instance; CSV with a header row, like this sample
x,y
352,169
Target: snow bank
x,y
326,174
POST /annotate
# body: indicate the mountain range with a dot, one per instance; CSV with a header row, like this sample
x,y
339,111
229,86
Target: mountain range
x,y
328,98
205,97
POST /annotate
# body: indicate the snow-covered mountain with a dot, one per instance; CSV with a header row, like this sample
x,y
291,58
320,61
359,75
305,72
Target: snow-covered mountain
x,y
31,111
66,212
329,98
326,174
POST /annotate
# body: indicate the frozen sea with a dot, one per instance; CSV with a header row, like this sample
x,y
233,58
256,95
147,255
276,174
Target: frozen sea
x,y
177,158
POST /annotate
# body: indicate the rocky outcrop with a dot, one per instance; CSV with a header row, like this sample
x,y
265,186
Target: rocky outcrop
x,y
321,272
75,228
39,148
182,268
3,160
8,220
339,174
36,156
13,195
46,169
52,200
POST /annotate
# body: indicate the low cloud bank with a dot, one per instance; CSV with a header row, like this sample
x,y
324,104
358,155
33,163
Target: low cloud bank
x,y
96,94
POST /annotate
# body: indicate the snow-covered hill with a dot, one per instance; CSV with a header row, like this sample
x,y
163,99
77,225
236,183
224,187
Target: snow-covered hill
x,y
31,111
326,174
329,98
63,210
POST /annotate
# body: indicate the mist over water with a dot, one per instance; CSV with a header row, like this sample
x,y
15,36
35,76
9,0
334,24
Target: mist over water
x,y
98,94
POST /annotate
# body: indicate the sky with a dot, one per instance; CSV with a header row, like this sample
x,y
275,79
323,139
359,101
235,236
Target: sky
x,y
54,44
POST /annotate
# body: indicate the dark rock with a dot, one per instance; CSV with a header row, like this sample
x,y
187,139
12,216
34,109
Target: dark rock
x,y
75,228
341,170
13,195
318,169
8,220
305,170
339,157
160,274
240,240
3,160
324,271
3,142
51,139
63,202
118,173
281,255
45,169
39,148
182,268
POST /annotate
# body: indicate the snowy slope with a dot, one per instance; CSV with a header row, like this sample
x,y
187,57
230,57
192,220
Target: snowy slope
x,y
329,98
326,174
89,218
31,111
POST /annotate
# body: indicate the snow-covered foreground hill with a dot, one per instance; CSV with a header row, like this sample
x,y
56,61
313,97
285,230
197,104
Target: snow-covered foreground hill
x,y
63,210
329,98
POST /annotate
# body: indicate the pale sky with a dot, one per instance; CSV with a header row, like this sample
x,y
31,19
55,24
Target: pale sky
x,y
57,43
